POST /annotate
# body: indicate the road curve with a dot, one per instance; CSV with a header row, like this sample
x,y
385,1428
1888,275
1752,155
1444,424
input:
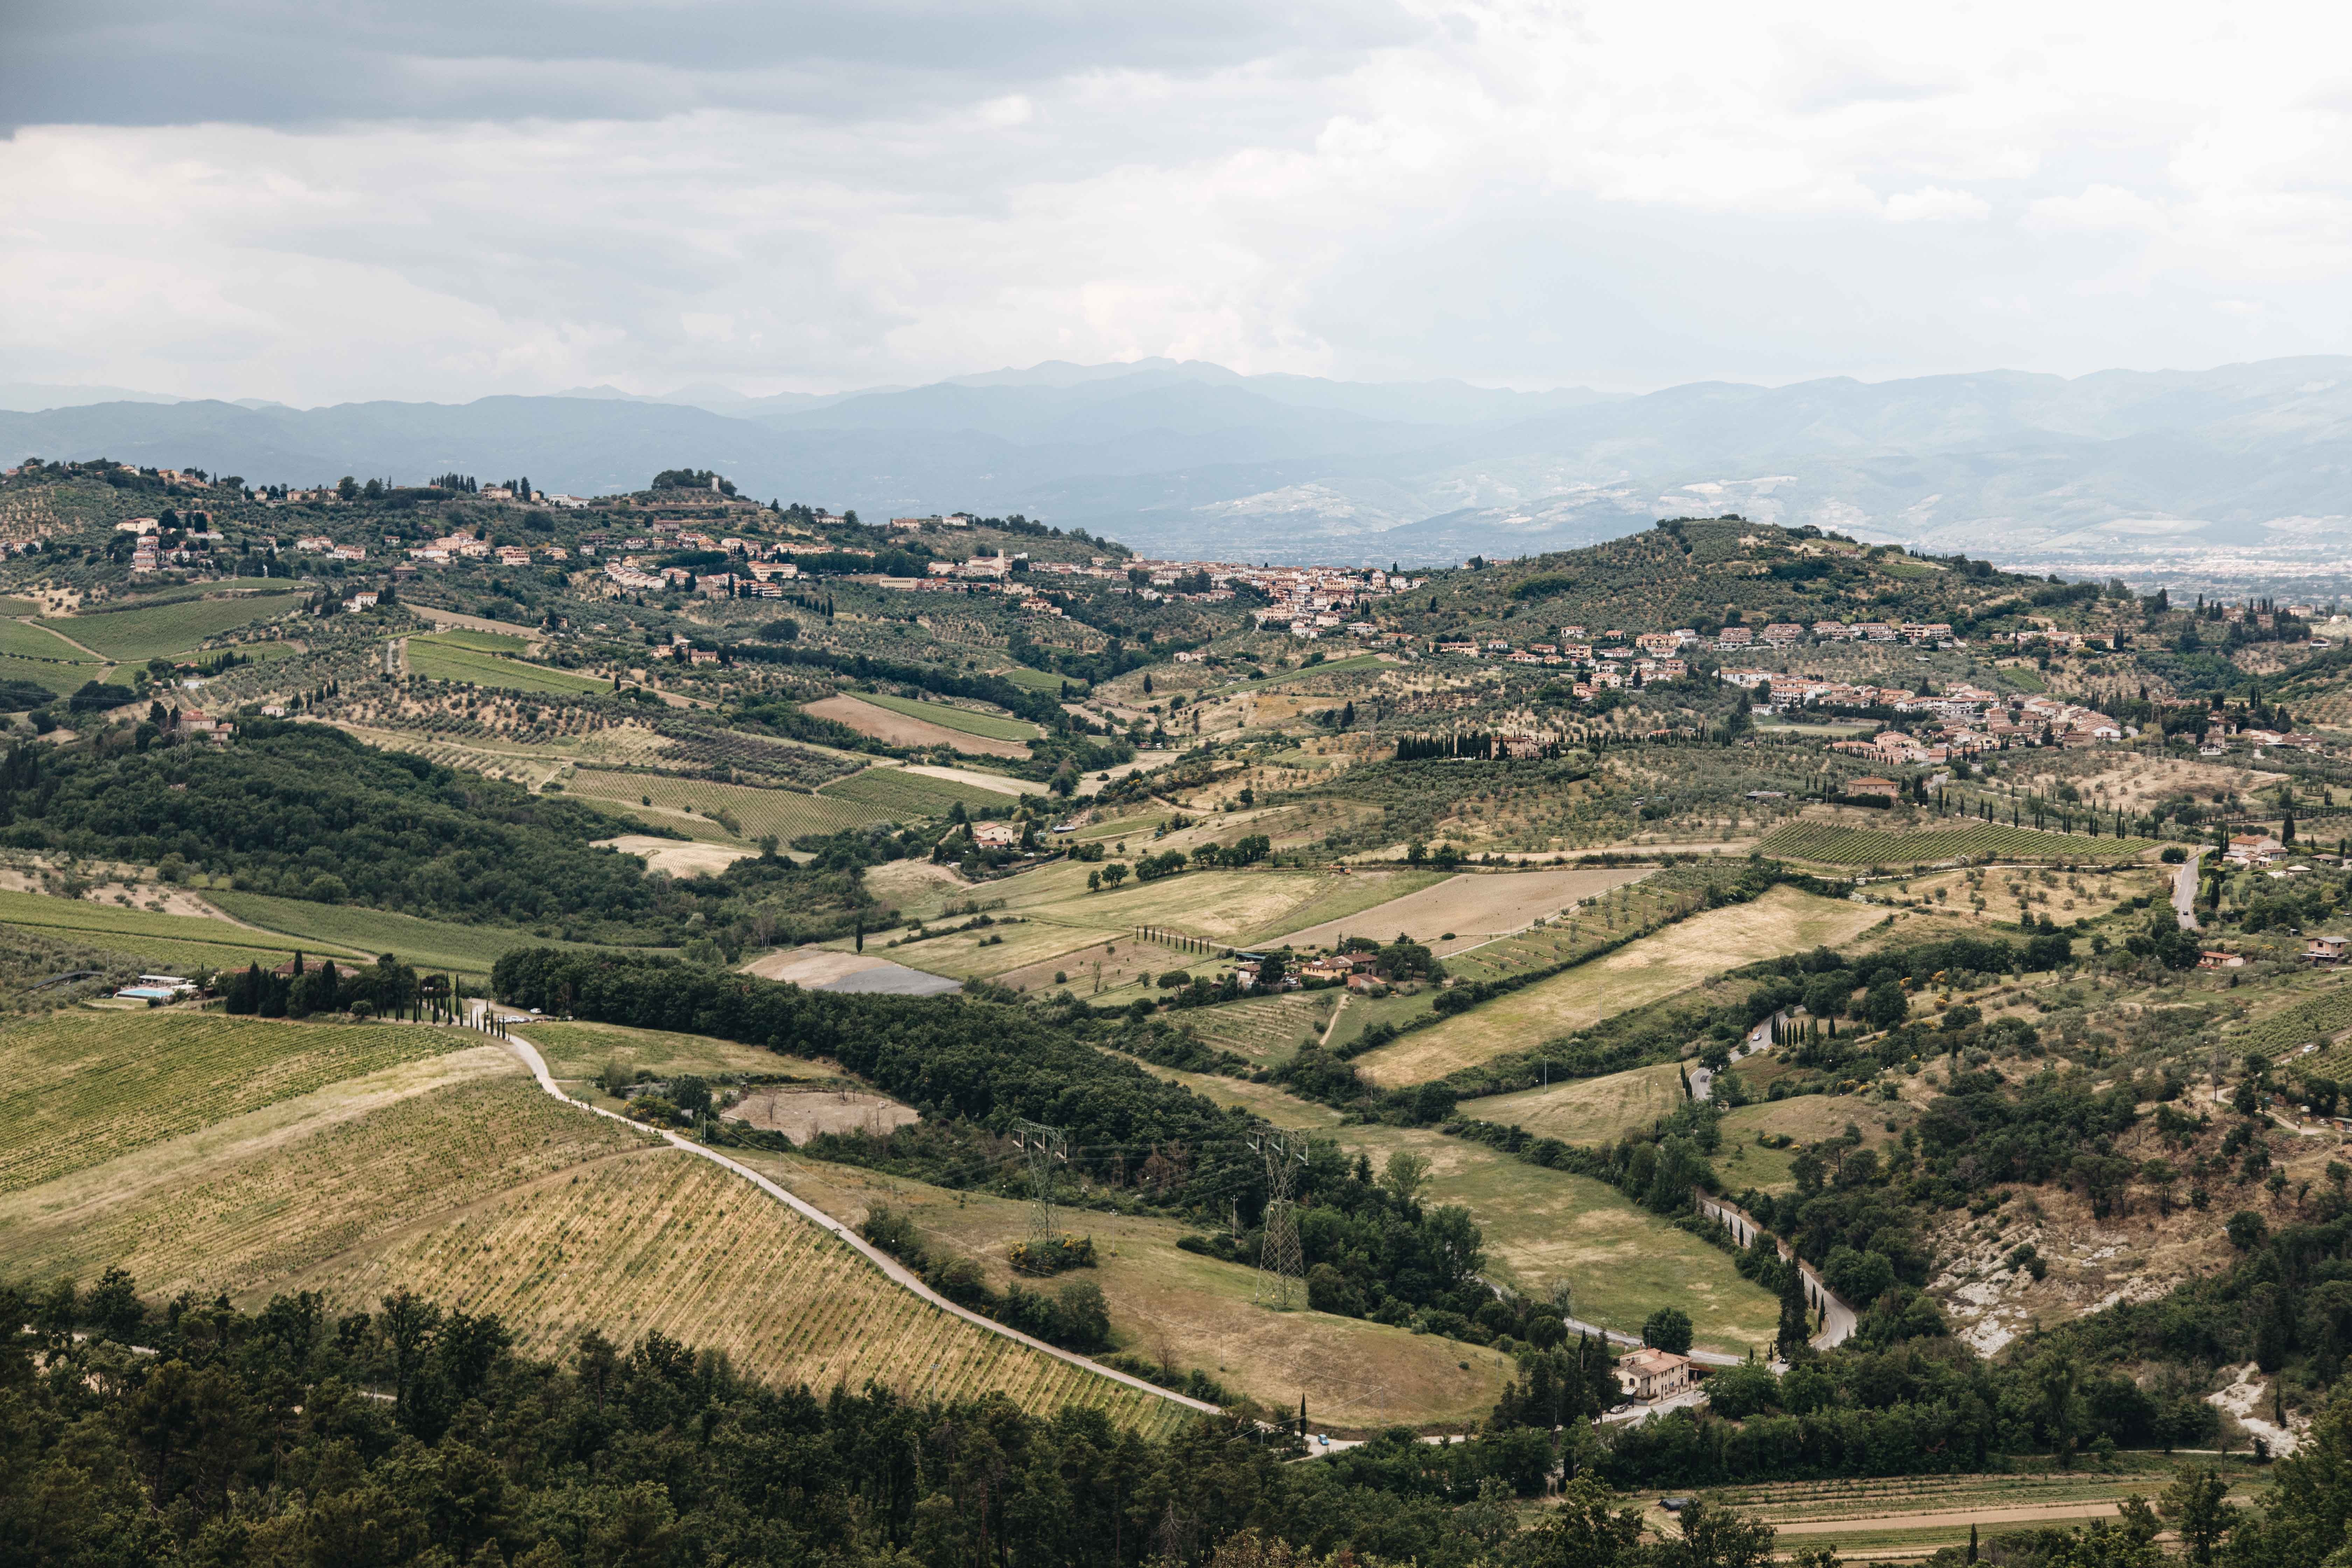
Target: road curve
x,y
2184,890
1838,1320
897,1271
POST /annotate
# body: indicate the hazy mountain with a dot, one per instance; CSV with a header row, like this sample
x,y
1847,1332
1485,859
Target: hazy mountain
x,y
2248,464
29,396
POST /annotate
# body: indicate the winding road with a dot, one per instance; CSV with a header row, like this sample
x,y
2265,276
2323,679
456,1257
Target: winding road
x,y
897,1271
1837,1318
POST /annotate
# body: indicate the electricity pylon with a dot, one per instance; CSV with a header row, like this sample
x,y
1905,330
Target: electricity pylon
x,y
1046,1148
1281,1263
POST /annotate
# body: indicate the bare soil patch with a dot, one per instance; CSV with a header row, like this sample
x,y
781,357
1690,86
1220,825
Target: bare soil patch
x,y
800,1114
973,777
899,730
676,857
812,965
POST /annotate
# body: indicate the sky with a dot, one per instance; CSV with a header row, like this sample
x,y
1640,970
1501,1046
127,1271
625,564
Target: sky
x,y
318,202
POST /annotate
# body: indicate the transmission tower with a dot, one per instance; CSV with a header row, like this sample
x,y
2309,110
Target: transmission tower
x,y
1282,1264
1046,1148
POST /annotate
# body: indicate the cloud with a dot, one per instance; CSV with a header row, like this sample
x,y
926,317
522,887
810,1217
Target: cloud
x,y
1934,204
424,199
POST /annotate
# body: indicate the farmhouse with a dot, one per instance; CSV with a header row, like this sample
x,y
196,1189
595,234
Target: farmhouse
x,y
2325,948
1649,1374
1886,787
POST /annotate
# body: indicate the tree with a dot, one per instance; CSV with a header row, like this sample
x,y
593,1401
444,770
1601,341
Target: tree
x,y
1668,1329
1582,1532
1716,1537
1114,874
2196,1503
1405,1175
1885,1006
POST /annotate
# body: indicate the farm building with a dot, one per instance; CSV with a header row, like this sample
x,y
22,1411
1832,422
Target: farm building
x,y
1650,1374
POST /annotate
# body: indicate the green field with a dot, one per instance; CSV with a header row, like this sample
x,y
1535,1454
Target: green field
x,y
180,943
483,642
948,716
898,793
1035,680
421,944
22,638
690,802
1622,1261
60,679
83,1087
440,658
1833,844
132,636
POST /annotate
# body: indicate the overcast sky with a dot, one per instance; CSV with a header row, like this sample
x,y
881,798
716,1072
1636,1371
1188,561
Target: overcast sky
x,y
430,199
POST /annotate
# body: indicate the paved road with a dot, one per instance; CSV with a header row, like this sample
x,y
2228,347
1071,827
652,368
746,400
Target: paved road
x,y
2184,890
898,1272
1837,1319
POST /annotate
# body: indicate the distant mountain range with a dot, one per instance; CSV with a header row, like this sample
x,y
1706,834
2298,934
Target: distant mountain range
x,y
2245,470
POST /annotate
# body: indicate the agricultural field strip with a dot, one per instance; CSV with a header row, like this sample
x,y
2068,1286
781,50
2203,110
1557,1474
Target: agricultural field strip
x,y
451,661
1833,844
29,639
947,716
69,1105
422,943
41,910
890,1266
130,636
786,813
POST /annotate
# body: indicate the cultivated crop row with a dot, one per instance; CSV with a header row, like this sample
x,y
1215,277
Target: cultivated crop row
x,y
82,1087
672,1244
1830,844
755,812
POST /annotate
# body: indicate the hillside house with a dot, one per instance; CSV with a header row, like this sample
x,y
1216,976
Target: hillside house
x,y
1648,1375
2325,948
1887,788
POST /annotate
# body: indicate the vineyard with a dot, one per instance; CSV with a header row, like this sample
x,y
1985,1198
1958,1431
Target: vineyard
x,y
786,814
439,658
948,716
37,642
1263,1028
2297,1025
132,636
84,1088
249,1220
665,1241
531,769
502,643
1829,844
421,944
692,746
903,794
186,942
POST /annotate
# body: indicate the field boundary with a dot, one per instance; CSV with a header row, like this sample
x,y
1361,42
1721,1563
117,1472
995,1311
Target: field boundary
x,y
892,1269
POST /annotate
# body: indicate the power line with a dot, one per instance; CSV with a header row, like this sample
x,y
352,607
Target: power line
x,y
1046,1148
1282,1262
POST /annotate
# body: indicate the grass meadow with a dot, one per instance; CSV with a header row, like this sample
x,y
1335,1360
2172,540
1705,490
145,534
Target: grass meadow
x,y
442,657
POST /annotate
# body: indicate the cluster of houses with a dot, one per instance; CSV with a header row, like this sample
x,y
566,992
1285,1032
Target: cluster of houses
x,y
1961,720
149,553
